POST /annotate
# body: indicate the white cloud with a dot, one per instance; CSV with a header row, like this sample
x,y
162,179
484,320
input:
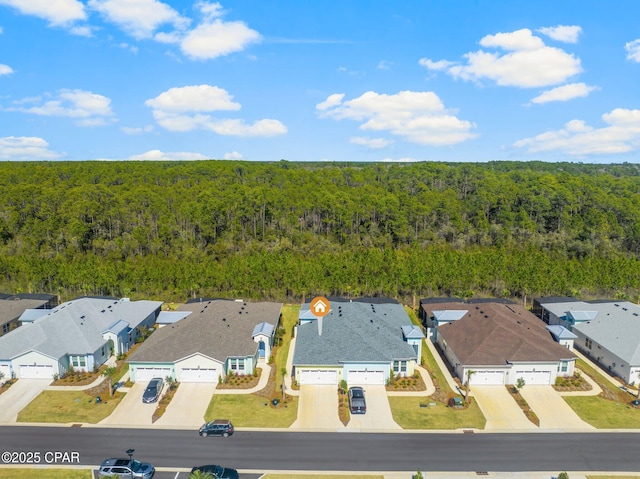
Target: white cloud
x,y
136,130
373,143
214,38
5,70
620,135
633,50
564,93
89,109
139,18
157,155
193,98
525,62
187,108
81,31
56,12
234,155
399,160
21,148
562,33
418,117
384,65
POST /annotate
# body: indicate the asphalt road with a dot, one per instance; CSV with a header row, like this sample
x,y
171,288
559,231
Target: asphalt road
x,y
344,451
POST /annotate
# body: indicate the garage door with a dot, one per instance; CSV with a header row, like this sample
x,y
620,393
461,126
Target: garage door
x,y
487,378
6,372
147,374
311,376
365,377
194,375
37,371
534,377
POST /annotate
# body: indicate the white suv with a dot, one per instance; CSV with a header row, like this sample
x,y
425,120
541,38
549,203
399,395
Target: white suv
x,y
129,468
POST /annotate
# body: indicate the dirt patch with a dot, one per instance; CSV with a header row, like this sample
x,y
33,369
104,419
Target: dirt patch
x,y
531,416
343,406
572,383
241,381
164,402
412,383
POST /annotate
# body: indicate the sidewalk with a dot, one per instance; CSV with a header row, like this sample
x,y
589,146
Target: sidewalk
x,y
443,367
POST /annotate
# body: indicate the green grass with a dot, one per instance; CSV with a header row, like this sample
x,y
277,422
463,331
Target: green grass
x,y
604,413
319,476
611,409
249,410
52,473
408,414
67,407
290,313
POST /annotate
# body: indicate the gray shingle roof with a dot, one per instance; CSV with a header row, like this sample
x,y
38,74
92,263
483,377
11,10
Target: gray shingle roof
x,y
74,327
13,307
354,331
616,328
217,329
494,334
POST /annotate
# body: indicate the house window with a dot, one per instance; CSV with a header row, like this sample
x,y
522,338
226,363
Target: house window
x,y
74,361
5,328
588,343
563,367
83,362
236,364
399,367
241,365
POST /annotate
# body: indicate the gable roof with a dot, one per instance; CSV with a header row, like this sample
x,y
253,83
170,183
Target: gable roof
x,y
74,327
616,328
412,331
449,314
263,328
495,334
560,332
217,329
355,331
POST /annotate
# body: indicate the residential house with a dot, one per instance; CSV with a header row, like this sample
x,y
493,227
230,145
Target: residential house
x,y
217,337
607,331
80,335
361,341
497,343
13,306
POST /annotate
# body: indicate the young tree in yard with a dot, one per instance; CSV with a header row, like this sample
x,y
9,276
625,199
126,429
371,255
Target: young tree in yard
x,y
466,385
520,383
109,373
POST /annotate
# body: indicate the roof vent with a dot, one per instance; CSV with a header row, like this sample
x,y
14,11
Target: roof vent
x,y
239,312
103,311
371,320
201,311
224,319
486,316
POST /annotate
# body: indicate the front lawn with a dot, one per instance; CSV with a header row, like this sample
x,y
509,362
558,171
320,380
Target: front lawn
x,y
250,410
319,476
408,414
68,407
611,409
48,473
290,314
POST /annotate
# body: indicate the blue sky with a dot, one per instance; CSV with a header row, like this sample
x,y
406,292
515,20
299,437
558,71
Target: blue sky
x,y
320,80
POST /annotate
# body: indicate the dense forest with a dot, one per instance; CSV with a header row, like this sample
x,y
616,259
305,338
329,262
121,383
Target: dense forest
x,y
174,230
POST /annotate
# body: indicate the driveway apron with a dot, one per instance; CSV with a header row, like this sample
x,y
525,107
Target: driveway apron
x,y
188,406
500,409
378,416
551,409
132,411
318,408
21,393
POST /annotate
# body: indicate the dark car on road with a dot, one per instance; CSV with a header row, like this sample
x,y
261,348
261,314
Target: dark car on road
x,y
153,391
129,468
218,427
357,403
218,472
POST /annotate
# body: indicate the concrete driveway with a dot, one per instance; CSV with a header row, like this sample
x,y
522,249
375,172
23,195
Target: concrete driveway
x,y
318,408
551,409
132,411
378,416
500,410
188,406
19,394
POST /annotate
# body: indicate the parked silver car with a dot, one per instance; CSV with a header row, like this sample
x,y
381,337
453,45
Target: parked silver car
x,y
129,468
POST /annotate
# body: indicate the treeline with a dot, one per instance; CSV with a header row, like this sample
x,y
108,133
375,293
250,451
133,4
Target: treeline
x,y
171,230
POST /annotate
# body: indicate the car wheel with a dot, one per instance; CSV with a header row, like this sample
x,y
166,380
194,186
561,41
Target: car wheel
x,y
204,434
225,434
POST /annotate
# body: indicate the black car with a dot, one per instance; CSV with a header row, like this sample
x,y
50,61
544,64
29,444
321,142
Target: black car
x,y
129,468
154,388
357,403
219,427
218,472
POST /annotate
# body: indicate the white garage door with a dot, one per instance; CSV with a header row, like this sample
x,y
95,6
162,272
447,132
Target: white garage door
x,y
534,377
487,378
5,370
147,374
194,375
38,371
365,377
318,376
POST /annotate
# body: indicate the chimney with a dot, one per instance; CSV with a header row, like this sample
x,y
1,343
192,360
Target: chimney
x,y
319,325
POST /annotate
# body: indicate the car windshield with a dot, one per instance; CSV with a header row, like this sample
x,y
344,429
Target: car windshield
x,y
357,393
136,465
151,389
